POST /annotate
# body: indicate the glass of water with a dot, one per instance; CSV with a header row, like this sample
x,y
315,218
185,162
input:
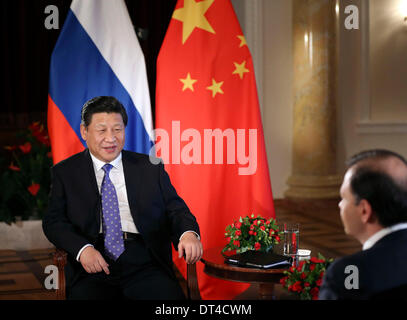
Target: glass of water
x,y
291,238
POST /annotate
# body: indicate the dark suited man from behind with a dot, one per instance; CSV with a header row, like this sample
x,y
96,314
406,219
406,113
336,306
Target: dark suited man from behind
x,y
116,214
373,209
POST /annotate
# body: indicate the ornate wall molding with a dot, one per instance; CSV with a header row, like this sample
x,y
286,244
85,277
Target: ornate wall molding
x,y
365,124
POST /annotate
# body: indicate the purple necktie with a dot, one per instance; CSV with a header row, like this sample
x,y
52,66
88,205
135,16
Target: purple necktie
x,y
112,230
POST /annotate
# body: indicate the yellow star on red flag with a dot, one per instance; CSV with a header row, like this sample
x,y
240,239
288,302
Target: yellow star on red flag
x,y
240,69
192,16
242,41
188,82
215,87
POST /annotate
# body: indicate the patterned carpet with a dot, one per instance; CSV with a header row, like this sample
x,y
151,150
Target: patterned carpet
x,y
22,272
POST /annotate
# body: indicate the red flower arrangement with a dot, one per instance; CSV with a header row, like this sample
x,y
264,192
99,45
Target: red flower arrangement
x,y
305,279
34,188
38,131
252,233
25,178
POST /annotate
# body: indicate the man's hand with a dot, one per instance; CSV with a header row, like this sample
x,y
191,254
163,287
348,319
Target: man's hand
x,y
192,247
92,261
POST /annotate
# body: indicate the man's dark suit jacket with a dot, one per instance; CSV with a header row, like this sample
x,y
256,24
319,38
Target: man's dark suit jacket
x,y
382,271
74,214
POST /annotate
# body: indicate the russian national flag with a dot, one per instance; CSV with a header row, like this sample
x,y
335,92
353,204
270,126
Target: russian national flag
x,y
97,54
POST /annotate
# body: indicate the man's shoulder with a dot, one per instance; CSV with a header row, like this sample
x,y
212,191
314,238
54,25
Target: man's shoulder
x,y
340,265
72,161
140,158
361,261
336,276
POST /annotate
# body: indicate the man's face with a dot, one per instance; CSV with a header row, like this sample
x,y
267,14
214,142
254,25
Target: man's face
x,y
350,211
104,135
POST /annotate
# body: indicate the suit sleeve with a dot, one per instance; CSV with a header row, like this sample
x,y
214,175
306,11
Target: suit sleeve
x,y
180,217
58,229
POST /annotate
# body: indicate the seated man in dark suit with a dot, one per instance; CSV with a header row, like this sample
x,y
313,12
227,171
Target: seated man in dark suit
x,y
373,209
116,214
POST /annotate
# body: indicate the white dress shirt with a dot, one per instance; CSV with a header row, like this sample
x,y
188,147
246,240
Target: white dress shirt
x,y
382,233
116,175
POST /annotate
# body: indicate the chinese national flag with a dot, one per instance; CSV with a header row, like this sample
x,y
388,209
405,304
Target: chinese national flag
x,y
206,95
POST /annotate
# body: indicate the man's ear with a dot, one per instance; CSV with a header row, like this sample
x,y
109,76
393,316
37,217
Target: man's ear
x,y
84,132
367,214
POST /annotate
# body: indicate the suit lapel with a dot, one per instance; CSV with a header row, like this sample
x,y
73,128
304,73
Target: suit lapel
x,y
133,180
89,176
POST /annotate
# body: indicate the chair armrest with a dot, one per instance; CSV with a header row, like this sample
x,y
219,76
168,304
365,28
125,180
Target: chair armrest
x,y
59,259
192,283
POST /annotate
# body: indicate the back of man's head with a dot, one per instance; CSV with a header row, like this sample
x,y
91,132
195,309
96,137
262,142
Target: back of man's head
x,y
380,177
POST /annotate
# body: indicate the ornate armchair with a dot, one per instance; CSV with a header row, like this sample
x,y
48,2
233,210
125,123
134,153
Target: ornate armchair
x,y
60,256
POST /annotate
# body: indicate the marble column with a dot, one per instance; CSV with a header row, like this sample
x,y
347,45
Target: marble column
x,y
314,170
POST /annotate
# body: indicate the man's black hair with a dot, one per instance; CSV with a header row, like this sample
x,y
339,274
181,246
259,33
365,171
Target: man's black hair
x,y
386,195
102,104
376,154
